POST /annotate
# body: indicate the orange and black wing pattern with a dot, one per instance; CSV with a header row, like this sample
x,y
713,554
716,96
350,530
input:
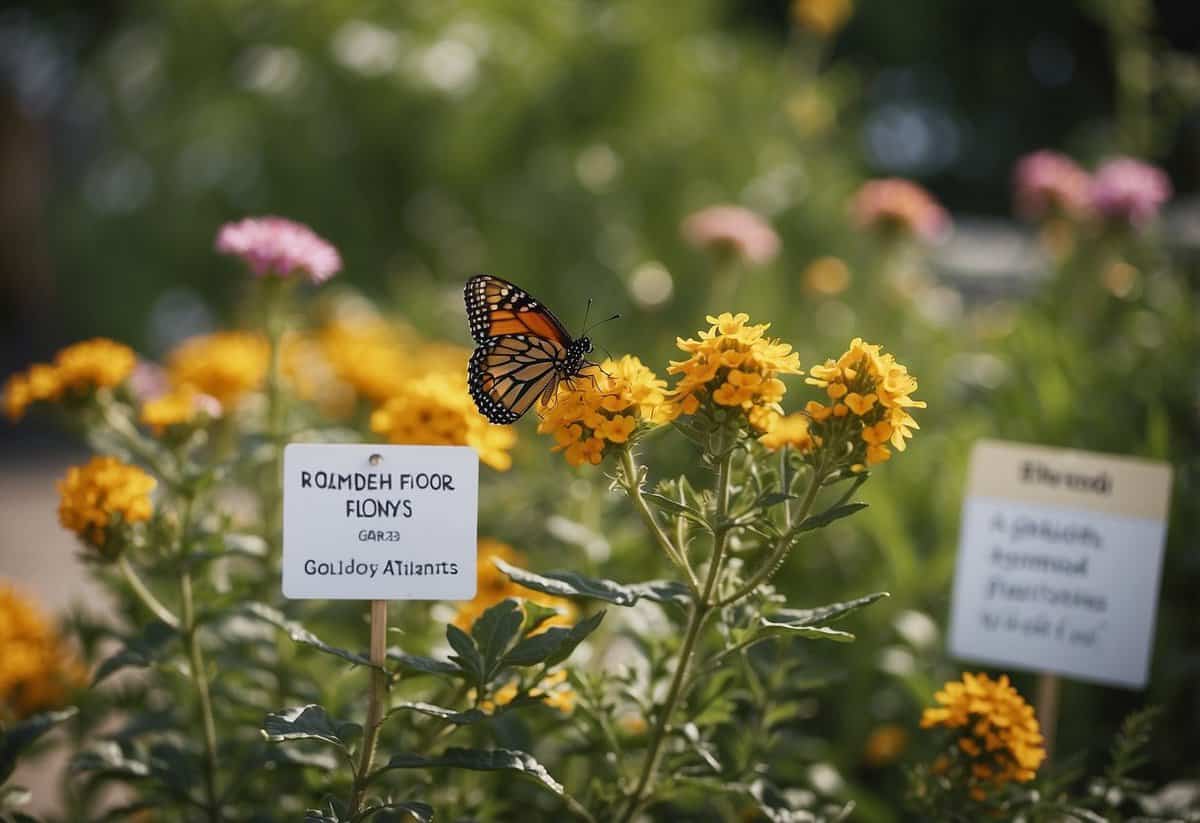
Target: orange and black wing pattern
x,y
521,352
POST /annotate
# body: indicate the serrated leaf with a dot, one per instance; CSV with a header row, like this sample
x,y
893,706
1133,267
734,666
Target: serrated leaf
x,y
495,632
569,584
450,715
417,664
467,654
552,646
301,635
148,648
15,739
828,516
309,722
482,760
823,615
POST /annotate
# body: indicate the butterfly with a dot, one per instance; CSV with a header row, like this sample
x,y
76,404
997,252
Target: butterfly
x,y
522,350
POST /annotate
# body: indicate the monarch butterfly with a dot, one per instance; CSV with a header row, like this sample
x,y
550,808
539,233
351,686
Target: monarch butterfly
x,y
522,350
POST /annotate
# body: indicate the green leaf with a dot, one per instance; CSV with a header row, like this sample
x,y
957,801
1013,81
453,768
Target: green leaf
x,y
552,646
535,615
148,648
823,615
467,654
417,664
675,507
481,760
298,633
15,739
108,759
495,632
309,722
809,632
569,584
450,715
818,521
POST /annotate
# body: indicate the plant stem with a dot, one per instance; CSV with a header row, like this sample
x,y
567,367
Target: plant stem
x,y
366,753
200,680
633,486
145,595
697,615
275,294
764,572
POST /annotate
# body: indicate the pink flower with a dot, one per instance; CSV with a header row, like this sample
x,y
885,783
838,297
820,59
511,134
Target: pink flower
x,y
1049,183
276,246
893,204
1128,190
732,228
148,380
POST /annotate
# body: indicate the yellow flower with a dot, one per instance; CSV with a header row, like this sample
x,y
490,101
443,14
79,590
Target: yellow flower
x,y
827,275
37,670
823,17
553,690
312,377
605,405
437,410
176,408
493,586
103,493
226,365
99,363
872,396
999,730
792,430
371,356
735,366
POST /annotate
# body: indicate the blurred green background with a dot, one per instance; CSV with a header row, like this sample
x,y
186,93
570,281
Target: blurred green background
x,y
560,143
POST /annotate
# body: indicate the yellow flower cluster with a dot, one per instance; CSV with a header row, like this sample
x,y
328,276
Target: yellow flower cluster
x,y
177,407
373,357
99,363
1000,732
604,405
226,365
553,690
493,586
734,365
436,410
37,670
870,397
792,430
97,495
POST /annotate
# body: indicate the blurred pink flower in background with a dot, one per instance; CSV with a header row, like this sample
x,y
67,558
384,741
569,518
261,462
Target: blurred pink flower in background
x,y
148,380
892,204
732,229
277,246
1125,189
1049,183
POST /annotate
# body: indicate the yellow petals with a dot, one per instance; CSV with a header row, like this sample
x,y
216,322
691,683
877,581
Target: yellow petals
x,y
733,365
792,430
605,405
97,495
225,365
37,670
79,368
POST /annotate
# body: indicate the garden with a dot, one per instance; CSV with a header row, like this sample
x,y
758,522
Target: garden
x,y
721,318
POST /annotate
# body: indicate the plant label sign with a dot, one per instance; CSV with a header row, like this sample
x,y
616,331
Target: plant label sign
x,y
1059,560
374,522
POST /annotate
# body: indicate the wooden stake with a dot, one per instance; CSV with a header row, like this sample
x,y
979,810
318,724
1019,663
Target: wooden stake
x,y
1047,708
375,702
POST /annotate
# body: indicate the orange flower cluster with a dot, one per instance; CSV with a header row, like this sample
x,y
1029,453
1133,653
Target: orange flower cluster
x,y
82,367
225,365
37,671
1000,733
733,365
603,407
870,397
101,494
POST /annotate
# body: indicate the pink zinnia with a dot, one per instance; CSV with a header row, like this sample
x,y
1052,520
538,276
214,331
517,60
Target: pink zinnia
x,y
279,247
1129,190
1047,183
732,228
895,204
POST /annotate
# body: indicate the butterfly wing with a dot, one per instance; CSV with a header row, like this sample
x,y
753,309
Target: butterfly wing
x,y
496,307
507,374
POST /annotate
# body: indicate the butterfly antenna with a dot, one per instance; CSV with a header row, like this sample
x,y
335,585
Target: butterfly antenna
x,y
586,312
601,322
